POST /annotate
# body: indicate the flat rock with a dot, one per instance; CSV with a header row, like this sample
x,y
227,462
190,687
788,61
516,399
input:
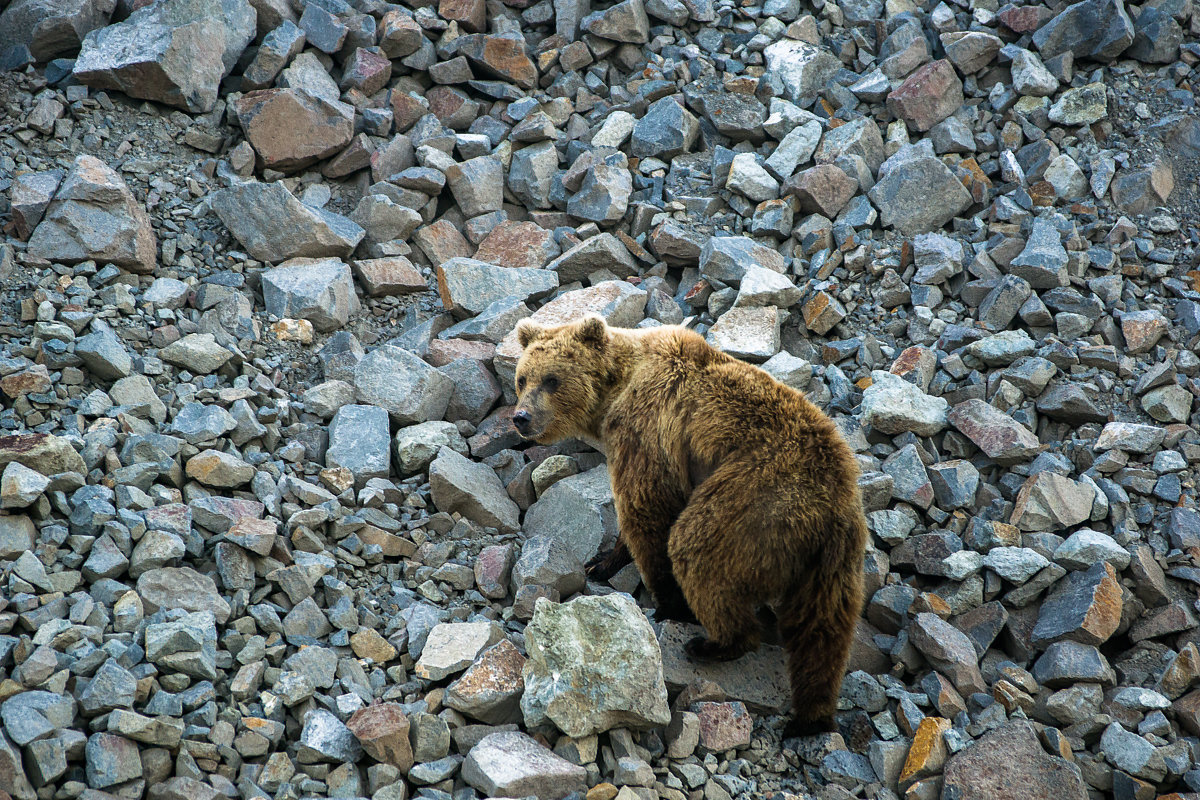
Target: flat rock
x,y
1009,756
472,489
892,405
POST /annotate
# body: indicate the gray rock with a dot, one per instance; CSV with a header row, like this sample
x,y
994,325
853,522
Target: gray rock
x,y
477,185
274,226
511,764
454,646
175,52
593,665
320,290
468,286
577,511
1131,753
326,739
94,216
360,441
532,173
1010,753
1043,262
892,405
196,352
408,388
666,130
20,487
545,561
458,484
111,760
181,587
623,22
1099,30
803,69
725,258
52,28
917,193
948,650
1001,438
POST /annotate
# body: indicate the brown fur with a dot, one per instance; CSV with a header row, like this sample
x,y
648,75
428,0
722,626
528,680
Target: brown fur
x,y
732,490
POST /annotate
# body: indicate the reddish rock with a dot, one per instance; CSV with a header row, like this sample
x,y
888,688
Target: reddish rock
x,y
1024,19
290,129
28,381
492,569
367,70
1001,438
356,156
823,189
1085,607
382,730
490,690
400,35
927,96
407,109
471,15
441,242
723,726
389,276
453,107
443,351
501,56
518,244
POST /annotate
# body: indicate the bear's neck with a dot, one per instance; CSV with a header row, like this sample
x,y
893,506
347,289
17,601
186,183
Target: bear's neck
x,y
624,352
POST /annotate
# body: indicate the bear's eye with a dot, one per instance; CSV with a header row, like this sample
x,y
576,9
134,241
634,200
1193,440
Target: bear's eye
x,y
550,383
520,384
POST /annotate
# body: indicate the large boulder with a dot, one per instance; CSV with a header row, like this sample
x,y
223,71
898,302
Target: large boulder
x,y
593,665
174,52
94,217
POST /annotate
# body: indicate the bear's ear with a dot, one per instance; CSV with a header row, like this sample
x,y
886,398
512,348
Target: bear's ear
x,y
593,331
528,332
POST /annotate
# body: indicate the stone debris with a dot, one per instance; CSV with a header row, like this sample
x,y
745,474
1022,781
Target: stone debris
x,y
267,530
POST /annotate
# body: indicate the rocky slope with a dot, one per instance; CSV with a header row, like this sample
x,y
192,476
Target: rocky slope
x,y
268,531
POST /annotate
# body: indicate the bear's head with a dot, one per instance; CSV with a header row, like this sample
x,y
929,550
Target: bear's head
x,y
561,378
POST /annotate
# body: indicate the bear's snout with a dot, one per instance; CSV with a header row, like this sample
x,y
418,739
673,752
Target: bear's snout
x,y
522,420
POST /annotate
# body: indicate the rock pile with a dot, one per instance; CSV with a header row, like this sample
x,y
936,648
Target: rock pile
x,y
266,529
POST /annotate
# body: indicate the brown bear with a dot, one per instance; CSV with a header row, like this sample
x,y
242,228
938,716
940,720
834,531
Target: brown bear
x,y
732,490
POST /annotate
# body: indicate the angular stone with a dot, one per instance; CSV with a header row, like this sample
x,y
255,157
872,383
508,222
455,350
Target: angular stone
x,y
325,739
274,226
502,56
95,217
360,441
623,22
468,286
1099,30
30,196
319,290
174,52
472,489
382,731
1008,756
411,390
111,760
948,650
1085,608
181,587
395,275
52,28
579,512
1049,502
927,96
454,646
748,333
917,193
291,129
1001,438
1043,262
594,664
892,405
803,69
723,726
491,688
196,352
823,189
511,764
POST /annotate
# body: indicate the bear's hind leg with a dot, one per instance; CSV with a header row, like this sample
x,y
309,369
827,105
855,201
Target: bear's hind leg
x,y
717,583
817,620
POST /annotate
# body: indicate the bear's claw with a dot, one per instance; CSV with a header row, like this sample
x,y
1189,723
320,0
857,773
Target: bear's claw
x,y
798,728
702,648
605,565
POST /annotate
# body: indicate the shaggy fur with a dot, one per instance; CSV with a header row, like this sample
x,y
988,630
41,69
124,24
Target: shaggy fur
x,y
732,490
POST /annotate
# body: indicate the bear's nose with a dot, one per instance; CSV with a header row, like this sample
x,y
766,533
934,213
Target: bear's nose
x,y
521,420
